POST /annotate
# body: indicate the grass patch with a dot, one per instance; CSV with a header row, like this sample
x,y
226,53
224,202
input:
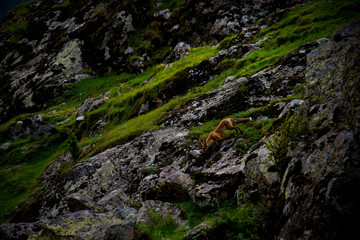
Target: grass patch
x,y
228,221
242,222
17,29
311,21
90,87
170,4
134,127
18,24
19,180
160,227
63,4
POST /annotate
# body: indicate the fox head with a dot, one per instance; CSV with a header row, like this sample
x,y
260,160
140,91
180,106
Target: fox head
x,y
203,145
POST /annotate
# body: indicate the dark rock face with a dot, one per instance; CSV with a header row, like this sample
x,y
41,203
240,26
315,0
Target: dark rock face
x,y
318,200
31,126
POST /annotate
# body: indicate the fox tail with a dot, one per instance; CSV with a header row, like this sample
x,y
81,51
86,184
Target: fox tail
x,y
238,120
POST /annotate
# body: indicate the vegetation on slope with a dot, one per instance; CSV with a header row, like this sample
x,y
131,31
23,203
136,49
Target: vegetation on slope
x,y
24,161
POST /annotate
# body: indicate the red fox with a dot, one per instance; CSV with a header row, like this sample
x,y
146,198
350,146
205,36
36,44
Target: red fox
x,y
226,124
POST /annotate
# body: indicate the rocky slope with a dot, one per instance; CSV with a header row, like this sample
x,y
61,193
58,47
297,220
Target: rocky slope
x,y
64,41
297,162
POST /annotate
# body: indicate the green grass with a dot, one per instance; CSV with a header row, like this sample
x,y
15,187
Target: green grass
x,y
170,4
303,24
228,221
245,221
17,29
63,4
134,127
19,180
160,227
19,22
309,22
92,87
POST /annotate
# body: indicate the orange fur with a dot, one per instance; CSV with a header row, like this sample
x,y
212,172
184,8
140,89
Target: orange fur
x,y
216,135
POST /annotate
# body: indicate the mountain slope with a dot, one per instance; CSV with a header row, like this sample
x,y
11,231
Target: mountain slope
x,y
101,153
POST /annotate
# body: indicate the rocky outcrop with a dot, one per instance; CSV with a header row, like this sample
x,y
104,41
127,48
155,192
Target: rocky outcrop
x,y
323,170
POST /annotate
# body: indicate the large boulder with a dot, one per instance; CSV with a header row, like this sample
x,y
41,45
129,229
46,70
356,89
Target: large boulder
x,y
318,187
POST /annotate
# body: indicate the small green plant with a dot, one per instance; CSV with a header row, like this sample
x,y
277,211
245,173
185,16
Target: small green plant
x,y
225,43
160,227
171,4
17,29
228,220
64,167
73,145
242,222
63,4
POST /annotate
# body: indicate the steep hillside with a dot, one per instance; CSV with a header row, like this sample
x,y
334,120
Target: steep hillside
x,y
104,103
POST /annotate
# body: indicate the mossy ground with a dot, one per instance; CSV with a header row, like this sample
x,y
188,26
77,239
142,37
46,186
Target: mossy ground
x,y
20,170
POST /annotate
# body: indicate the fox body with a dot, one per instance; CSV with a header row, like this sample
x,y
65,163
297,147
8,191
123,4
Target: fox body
x,y
226,124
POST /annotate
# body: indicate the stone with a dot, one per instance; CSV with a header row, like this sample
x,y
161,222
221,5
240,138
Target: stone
x,y
85,224
198,231
18,230
181,49
5,146
33,126
165,14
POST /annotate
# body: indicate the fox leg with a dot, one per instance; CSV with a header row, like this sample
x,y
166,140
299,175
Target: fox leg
x,y
231,126
238,129
216,140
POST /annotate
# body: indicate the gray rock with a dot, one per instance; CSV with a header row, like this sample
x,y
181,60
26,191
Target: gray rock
x,y
181,49
86,225
323,173
198,231
32,125
165,14
19,231
145,108
5,146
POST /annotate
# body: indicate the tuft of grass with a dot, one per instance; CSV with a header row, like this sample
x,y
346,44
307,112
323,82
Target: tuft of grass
x,y
19,23
123,132
63,4
160,227
228,221
19,179
17,29
242,222
171,4
311,21
91,87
